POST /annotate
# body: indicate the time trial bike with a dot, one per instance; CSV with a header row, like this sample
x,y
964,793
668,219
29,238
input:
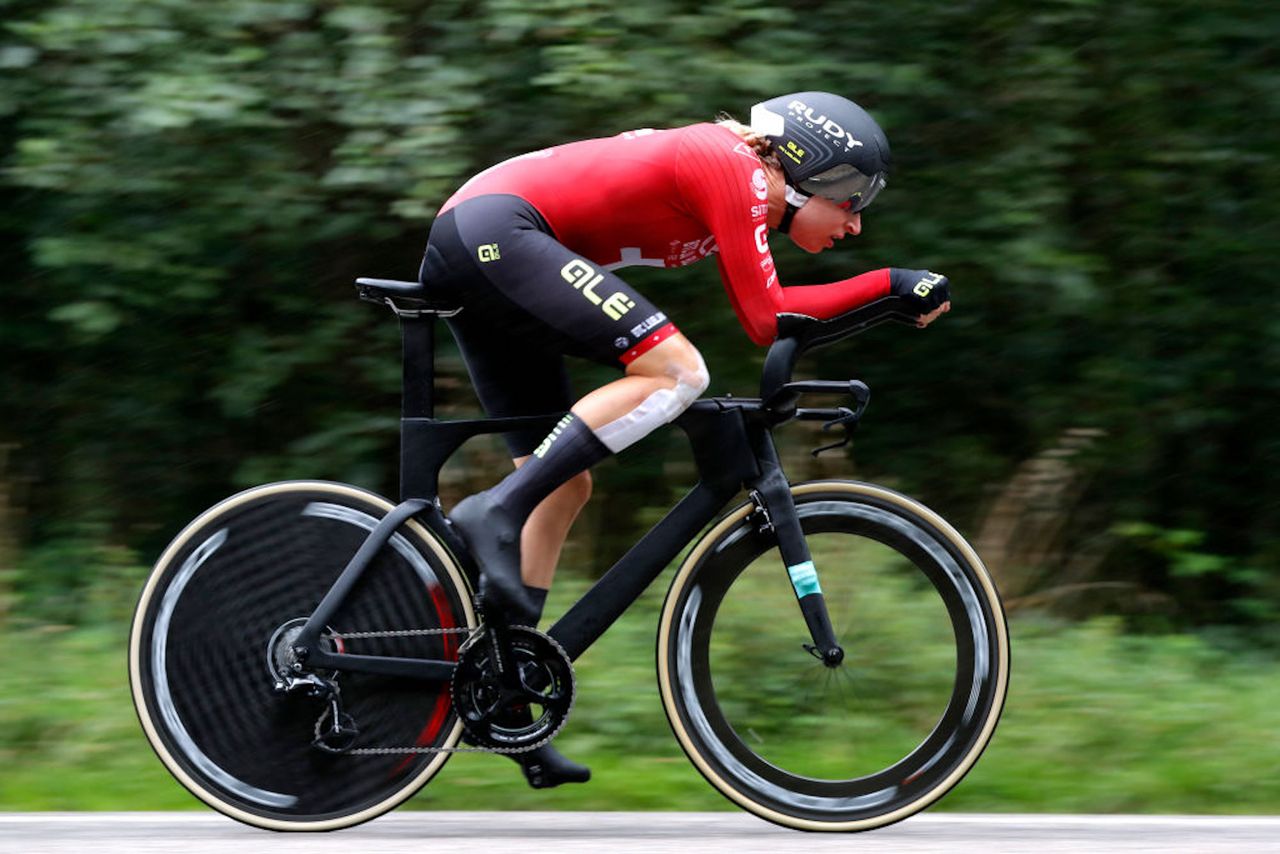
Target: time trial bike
x,y
831,655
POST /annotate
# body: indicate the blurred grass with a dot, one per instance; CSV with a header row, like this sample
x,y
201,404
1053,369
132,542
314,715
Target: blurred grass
x,y
1096,721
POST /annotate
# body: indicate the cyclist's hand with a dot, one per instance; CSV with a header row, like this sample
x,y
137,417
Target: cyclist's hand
x,y
930,293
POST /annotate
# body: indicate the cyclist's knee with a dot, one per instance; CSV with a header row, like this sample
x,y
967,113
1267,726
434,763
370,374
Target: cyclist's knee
x,y
676,377
678,365
691,378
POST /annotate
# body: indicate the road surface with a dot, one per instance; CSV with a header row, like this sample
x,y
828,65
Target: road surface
x,y
627,833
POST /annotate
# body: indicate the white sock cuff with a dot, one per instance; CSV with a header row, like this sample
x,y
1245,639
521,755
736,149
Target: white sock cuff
x,y
660,407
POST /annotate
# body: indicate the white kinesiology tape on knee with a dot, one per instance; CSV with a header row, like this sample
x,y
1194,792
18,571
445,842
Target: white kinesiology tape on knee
x,y
657,409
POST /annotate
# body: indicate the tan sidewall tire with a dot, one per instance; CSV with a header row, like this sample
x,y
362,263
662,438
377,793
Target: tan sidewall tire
x,y
666,683
447,561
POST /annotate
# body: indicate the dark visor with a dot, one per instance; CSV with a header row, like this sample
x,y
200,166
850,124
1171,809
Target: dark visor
x,y
844,183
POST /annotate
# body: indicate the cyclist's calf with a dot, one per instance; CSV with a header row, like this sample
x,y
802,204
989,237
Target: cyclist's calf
x,y
572,495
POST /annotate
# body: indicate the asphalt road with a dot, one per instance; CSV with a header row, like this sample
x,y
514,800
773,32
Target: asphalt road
x,y
625,833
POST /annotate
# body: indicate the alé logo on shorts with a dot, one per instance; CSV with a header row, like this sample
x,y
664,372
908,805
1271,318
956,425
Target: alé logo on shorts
x,y
584,277
805,113
488,252
542,449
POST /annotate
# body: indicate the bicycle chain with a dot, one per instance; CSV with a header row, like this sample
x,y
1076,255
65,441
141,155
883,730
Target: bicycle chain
x,y
399,633
395,751
390,751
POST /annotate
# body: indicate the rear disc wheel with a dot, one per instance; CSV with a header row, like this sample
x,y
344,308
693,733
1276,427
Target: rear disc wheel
x,y
211,638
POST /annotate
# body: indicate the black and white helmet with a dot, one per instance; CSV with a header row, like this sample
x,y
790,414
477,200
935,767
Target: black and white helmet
x,y
828,146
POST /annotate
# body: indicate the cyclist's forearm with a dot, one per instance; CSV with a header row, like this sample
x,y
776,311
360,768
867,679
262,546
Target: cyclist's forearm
x,y
827,301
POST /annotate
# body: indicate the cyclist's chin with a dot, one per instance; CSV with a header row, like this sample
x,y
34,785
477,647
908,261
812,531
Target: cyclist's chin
x,y
811,245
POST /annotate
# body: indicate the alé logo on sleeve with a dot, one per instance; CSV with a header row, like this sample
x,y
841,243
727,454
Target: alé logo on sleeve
x,y
927,283
584,277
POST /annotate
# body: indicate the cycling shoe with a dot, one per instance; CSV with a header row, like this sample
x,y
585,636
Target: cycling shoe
x,y
494,539
546,768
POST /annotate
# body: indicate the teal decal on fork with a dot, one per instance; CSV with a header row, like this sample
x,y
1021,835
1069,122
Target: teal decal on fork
x,y
804,578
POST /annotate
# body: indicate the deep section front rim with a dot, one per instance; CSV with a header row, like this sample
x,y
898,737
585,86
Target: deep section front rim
x,y
845,762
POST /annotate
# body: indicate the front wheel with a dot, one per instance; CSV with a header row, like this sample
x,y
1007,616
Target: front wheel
x,y
869,741
212,637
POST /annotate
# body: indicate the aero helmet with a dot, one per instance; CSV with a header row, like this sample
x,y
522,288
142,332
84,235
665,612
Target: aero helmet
x,y
828,146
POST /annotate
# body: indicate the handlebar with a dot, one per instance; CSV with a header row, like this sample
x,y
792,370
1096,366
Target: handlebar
x,y
798,334
783,401
781,407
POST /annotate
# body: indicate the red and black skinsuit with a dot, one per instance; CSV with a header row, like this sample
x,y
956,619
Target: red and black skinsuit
x,y
529,246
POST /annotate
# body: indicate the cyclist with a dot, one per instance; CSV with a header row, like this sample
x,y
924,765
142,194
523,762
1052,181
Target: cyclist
x,y
528,248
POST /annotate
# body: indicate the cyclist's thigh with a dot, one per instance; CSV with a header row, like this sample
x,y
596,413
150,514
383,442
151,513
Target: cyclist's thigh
x,y
581,308
511,379
516,366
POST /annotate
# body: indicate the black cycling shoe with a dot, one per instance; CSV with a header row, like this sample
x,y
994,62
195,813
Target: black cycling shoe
x,y
494,539
546,768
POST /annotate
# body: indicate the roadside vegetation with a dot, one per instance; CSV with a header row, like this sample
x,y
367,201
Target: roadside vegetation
x,y
1096,721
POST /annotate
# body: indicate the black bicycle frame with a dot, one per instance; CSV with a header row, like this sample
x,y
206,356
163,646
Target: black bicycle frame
x,y
732,447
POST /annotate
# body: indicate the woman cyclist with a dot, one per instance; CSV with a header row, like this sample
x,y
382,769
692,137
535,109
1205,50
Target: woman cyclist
x,y
528,248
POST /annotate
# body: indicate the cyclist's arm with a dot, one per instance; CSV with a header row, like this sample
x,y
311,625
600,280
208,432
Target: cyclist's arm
x,y
721,189
826,301
758,305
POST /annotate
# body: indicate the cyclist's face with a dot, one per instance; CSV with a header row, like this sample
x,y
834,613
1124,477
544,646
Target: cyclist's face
x,y
821,222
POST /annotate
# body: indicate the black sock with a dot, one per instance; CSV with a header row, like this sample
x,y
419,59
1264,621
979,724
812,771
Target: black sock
x,y
570,448
538,599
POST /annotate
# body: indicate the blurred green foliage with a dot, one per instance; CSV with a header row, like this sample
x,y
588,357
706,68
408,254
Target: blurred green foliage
x,y
187,190
1096,721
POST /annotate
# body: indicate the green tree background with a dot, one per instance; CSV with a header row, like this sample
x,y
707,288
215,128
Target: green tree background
x,y
188,190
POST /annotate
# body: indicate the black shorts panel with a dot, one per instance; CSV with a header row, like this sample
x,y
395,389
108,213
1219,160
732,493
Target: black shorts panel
x,y
526,301
512,382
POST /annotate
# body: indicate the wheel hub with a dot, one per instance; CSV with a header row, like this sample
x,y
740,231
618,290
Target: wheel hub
x,y
282,662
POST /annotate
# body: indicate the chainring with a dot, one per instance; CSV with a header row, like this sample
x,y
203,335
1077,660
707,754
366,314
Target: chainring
x,y
513,720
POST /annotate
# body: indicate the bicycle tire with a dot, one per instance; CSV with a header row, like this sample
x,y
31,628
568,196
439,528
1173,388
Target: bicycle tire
x,y
209,618
920,690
